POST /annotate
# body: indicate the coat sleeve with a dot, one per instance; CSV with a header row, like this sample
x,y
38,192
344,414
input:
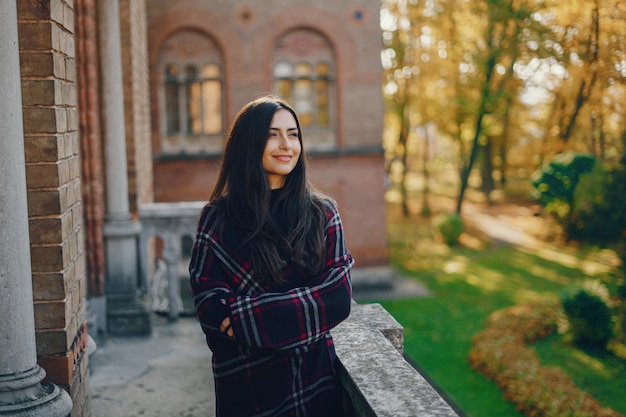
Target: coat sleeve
x,y
304,314
209,285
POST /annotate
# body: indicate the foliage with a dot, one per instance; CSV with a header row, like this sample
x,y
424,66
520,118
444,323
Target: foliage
x,y
450,227
501,353
621,291
555,182
558,350
587,308
466,284
599,206
620,248
507,83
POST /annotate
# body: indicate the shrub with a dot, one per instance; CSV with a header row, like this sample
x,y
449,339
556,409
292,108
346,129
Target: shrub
x,y
555,182
587,308
450,226
621,290
501,353
599,206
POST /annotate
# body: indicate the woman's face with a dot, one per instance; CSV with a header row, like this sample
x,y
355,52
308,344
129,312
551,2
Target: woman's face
x,y
282,149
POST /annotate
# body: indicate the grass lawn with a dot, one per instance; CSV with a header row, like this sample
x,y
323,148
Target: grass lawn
x,y
602,374
467,283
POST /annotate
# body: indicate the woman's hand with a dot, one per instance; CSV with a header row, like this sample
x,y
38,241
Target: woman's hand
x,y
226,328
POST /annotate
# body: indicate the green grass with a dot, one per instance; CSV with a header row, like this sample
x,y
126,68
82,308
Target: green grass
x,y
602,374
467,284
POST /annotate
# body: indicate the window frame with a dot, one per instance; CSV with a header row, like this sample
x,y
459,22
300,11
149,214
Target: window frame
x,y
201,121
284,84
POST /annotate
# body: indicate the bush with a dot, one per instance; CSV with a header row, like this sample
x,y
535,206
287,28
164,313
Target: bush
x,y
555,182
501,353
587,308
450,226
599,206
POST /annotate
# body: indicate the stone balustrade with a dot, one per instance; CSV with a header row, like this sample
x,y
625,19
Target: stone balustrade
x,y
377,379
171,223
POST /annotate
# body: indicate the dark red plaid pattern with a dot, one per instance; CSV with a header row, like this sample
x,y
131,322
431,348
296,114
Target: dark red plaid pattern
x,y
281,361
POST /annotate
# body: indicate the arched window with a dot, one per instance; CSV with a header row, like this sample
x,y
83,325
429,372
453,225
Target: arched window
x,y
192,101
211,93
172,111
302,96
303,76
191,98
322,94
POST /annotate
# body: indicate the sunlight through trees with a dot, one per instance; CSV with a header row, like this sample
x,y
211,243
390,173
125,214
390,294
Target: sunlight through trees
x,y
489,89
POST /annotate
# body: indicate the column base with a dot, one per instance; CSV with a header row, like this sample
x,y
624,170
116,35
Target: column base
x,y
128,320
23,395
126,316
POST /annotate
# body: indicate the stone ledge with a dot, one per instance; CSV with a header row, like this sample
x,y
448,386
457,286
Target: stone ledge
x,y
375,375
176,210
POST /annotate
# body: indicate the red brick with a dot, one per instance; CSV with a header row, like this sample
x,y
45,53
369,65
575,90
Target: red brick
x,y
59,368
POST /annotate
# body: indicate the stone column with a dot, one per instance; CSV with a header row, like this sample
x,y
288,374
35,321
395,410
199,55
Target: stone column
x,y
125,315
21,391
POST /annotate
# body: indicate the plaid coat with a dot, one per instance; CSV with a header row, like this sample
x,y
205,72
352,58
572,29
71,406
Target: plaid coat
x,y
281,361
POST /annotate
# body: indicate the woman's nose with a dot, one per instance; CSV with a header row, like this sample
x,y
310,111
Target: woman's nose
x,y
284,141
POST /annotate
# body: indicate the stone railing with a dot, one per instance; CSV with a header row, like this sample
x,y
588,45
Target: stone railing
x,y
377,379
171,223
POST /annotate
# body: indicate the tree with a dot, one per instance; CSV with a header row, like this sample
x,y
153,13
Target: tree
x,y
503,83
397,39
504,21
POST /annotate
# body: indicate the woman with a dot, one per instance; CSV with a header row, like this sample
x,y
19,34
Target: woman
x,y
270,273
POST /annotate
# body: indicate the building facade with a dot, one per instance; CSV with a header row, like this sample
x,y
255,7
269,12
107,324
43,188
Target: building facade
x,y
207,59
127,102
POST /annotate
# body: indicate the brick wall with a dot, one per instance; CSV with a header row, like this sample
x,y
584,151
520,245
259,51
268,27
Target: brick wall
x,y
136,101
247,32
354,181
52,147
91,143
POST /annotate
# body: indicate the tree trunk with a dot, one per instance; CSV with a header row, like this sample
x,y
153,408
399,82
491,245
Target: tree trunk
x,y
425,174
585,86
402,140
487,185
491,62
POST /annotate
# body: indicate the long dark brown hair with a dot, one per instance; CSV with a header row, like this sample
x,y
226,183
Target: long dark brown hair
x,y
293,230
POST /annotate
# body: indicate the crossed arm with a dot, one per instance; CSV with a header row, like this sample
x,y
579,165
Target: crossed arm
x,y
269,320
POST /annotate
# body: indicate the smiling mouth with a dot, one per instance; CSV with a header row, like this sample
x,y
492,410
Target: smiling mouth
x,y
284,158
